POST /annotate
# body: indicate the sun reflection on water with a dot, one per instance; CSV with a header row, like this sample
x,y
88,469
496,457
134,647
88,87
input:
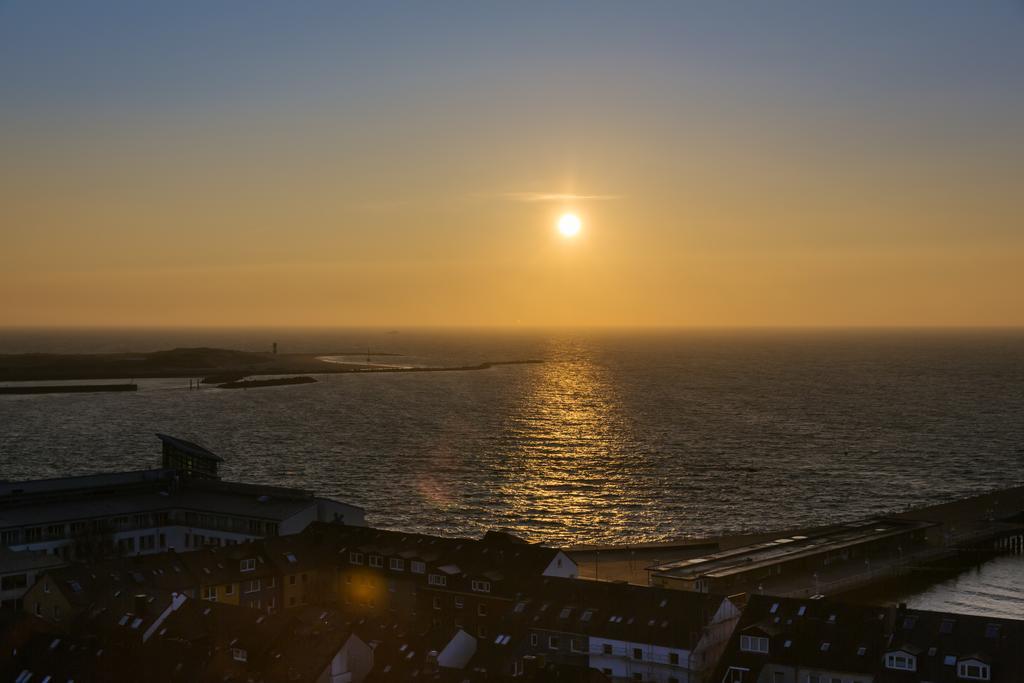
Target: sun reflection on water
x,y
570,469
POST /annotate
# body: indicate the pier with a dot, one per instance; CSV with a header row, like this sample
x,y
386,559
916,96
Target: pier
x,y
823,561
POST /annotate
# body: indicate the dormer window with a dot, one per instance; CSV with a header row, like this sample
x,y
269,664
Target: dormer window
x,y
377,561
355,558
247,565
239,655
396,564
973,670
418,567
901,661
754,644
482,586
437,580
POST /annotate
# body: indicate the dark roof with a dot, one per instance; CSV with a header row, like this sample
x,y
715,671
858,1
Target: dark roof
x,y
498,558
809,633
221,565
942,639
618,611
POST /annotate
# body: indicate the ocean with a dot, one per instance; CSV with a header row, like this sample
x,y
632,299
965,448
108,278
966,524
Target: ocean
x,y
616,438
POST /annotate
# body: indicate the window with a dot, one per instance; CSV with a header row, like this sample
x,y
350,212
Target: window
x,y
825,646
992,631
247,565
973,670
396,564
576,645
437,602
673,658
753,644
813,678
481,610
638,677
417,567
377,561
482,586
552,642
56,613
437,580
533,639
252,586
16,581
239,655
459,603
638,653
734,675
900,661
291,580
229,589
272,582
606,648
210,593
355,558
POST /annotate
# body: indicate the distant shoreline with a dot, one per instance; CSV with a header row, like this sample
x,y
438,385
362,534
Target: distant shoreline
x,y
200,362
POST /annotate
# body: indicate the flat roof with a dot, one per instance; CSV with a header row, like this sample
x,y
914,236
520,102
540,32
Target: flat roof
x,y
786,549
84,481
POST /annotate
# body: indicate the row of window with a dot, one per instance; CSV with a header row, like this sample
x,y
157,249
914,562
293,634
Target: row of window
x,y
250,586
56,532
397,564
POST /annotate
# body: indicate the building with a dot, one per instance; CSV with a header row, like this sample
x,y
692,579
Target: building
x,y
785,640
627,632
182,506
154,510
838,558
169,637
18,571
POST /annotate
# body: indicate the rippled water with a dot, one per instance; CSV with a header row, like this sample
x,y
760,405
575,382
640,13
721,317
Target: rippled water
x,y
991,589
618,437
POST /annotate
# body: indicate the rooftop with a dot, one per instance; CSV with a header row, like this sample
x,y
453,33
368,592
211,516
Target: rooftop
x,y
785,549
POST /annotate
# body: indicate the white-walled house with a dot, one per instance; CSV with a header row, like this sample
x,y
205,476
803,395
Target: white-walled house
x,y
629,633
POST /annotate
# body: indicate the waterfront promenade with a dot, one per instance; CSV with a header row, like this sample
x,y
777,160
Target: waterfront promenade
x,y
986,523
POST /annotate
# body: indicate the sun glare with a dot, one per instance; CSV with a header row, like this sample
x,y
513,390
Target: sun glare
x,y
569,225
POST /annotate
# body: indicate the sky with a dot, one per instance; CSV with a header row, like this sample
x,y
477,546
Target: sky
x,y
780,163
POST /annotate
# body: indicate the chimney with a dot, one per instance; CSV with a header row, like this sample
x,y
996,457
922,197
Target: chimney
x,y
141,604
430,666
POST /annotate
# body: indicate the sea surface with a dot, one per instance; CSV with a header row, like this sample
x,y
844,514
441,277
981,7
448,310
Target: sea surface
x,y
618,437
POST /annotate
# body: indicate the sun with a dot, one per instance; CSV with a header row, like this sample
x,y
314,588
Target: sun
x,y
569,225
